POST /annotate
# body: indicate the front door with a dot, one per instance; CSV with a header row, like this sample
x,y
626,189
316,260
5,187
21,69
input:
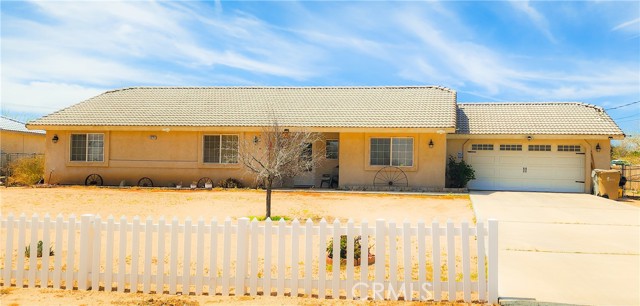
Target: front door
x,y
306,179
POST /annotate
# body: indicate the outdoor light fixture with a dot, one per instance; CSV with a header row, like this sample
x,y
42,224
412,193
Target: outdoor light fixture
x,y
256,139
153,137
529,138
598,148
286,130
55,138
431,143
610,137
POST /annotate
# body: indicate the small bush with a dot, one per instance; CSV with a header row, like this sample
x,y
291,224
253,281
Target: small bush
x,y
27,250
273,218
357,247
26,171
229,183
459,173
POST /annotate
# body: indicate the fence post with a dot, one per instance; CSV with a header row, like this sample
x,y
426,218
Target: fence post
x,y
241,262
380,260
493,261
84,267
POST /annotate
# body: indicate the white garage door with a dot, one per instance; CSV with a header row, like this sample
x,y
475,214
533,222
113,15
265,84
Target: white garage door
x,y
527,168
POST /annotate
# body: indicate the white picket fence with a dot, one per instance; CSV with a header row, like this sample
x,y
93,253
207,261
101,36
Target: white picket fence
x,y
250,258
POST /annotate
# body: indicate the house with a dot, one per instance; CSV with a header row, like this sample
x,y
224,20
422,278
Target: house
x,y
398,137
17,141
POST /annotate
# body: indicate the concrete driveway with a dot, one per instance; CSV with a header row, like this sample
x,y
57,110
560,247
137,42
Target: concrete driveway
x,y
565,248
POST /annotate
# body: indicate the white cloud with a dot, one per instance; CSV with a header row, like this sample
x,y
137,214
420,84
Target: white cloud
x,y
535,16
43,97
628,24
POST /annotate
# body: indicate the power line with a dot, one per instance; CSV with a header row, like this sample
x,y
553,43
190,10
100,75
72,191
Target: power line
x,y
636,115
621,106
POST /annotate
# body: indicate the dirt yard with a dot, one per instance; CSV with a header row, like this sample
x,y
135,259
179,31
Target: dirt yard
x,y
220,204
300,204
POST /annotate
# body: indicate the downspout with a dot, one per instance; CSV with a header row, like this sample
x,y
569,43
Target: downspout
x,y
462,148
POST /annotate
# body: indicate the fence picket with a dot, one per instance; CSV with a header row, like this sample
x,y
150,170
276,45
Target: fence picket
x,y
253,278
173,264
241,256
268,240
364,264
186,264
493,261
199,256
380,263
71,231
435,234
135,254
393,261
308,255
350,252
8,258
322,264
451,261
122,256
466,264
22,223
295,225
422,265
57,264
335,275
148,257
95,253
108,268
281,256
245,237
226,257
213,257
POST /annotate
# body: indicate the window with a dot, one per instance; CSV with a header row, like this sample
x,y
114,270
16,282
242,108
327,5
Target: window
x,y
482,147
510,147
540,148
87,147
220,149
332,149
391,152
569,148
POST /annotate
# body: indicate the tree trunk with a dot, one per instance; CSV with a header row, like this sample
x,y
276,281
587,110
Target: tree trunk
x,y
269,184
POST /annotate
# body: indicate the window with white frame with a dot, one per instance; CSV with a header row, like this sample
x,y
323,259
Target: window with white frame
x,y
87,147
569,148
220,149
393,151
332,149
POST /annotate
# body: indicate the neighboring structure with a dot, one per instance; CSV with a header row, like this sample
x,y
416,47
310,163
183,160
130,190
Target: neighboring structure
x,y
15,138
179,134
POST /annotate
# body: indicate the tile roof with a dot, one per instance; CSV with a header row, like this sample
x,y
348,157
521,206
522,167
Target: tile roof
x,y
552,118
376,107
9,124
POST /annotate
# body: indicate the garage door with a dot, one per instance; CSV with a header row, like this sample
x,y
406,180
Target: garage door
x,y
521,167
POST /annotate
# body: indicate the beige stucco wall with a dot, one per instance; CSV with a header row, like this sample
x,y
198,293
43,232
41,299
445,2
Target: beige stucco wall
x,y
18,142
173,157
593,159
429,163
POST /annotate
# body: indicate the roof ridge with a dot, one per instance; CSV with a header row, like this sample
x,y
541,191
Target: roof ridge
x,y
284,87
596,107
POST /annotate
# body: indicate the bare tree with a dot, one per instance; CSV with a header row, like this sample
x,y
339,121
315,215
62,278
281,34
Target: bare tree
x,y
277,154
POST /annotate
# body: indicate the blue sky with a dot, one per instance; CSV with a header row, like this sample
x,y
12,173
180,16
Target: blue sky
x,y
55,54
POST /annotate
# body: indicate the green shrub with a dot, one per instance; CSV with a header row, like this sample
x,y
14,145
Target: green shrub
x,y
229,183
27,250
273,218
459,173
357,247
26,171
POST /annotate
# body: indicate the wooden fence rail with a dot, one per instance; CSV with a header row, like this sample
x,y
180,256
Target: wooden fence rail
x,y
412,262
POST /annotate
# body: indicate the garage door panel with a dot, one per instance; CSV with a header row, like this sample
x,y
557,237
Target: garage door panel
x,y
545,171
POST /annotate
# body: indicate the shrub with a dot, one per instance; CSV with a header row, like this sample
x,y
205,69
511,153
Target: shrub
x,y
229,183
27,250
26,171
357,247
459,173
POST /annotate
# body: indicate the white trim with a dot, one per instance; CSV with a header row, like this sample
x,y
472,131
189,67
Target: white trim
x,y
86,147
391,151
220,149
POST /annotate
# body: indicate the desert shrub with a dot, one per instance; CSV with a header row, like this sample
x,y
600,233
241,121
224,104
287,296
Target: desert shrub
x,y
459,173
26,171
229,183
357,247
27,250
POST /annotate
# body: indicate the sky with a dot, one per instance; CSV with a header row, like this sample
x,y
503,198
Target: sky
x,y
57,53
